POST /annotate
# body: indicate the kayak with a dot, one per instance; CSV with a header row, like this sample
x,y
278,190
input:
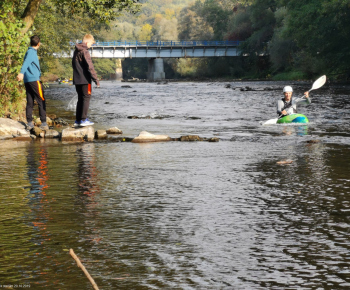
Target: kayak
x,y
293,118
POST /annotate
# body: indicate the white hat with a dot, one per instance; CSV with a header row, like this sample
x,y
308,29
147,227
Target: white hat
x,y
287,89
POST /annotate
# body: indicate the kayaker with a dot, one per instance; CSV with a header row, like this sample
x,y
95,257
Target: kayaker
x,y
288,105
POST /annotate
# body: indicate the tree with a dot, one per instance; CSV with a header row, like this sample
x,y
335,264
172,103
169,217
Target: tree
x,y
325,33
191,26
102,10
12,50
146,32
49,18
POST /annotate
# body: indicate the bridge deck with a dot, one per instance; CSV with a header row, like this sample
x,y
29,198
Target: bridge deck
x,y
137,43
163,49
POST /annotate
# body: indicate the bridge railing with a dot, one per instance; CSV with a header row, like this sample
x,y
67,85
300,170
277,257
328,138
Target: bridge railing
x,y
165,43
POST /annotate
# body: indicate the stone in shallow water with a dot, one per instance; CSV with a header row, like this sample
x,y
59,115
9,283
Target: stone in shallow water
x,y
191,138
144,137
101,134
52,134
11,128
114,130
81,134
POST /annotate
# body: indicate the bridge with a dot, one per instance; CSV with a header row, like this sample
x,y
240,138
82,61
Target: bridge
x,y
155,51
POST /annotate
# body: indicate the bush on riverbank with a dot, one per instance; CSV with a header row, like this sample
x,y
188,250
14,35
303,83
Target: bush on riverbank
x,y
12,50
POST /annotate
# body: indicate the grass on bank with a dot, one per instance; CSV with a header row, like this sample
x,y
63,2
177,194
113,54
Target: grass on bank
x,y
289,76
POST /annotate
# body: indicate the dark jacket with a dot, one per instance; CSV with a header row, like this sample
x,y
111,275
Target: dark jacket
x,y
83,69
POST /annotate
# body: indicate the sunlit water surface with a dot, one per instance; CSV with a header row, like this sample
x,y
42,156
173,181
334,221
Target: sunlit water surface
x,y
182,215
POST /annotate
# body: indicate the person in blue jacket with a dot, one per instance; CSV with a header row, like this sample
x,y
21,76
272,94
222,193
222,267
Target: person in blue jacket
x,y
30,73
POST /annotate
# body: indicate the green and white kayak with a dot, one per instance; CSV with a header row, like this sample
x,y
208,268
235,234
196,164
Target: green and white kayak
x,y
293,118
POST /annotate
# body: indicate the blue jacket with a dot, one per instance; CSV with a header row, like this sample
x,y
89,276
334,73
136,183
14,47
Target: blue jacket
x,y
31,66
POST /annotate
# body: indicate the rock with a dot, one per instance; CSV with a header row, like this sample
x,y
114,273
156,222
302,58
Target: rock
x,y
191,138
126,87
82,134
114,130
193,118
48,121
284,162
144,137
11,128
52,134
36,131
101,134
214,139
60,121
313,141
119,139
228,86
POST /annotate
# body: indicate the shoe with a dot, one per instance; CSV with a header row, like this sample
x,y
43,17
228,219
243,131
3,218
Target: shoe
x,y
30,125
77,123
86,123
44,126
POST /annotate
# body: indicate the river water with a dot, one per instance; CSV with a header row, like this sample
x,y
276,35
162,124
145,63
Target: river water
x,y
183,215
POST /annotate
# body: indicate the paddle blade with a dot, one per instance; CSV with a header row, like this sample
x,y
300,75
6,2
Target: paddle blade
x,y
319,83
269,122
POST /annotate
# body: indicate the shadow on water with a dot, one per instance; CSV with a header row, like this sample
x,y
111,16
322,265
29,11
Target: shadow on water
x,y
182,215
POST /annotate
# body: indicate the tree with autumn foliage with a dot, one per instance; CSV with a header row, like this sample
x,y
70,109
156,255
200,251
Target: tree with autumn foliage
x,y
20,19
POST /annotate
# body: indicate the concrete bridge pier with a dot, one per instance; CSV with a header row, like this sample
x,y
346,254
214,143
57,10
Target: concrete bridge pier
x,y
155,69
119,69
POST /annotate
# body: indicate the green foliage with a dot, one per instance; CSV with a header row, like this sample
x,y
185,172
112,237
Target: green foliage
x,y
290,76
104,67
325,33
192,26
57,22
13,46
100,10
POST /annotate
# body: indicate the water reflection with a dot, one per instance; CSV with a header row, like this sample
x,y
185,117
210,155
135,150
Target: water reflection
x,y
305,215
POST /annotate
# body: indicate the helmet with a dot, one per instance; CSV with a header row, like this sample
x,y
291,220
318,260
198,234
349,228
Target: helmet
x,y
287,89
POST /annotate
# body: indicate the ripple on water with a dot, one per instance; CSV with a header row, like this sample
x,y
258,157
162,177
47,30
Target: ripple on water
x,y
182,215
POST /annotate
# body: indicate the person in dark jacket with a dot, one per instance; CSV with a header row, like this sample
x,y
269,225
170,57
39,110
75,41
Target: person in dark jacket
x,y
30,74
83,73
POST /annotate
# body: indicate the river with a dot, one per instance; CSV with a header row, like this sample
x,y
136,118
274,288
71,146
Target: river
x,y
183,215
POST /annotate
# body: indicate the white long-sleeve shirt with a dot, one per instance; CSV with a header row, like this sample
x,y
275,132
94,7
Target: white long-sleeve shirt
x,y
293,108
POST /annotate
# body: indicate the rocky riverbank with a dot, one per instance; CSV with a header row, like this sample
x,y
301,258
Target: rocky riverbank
x,y
11,129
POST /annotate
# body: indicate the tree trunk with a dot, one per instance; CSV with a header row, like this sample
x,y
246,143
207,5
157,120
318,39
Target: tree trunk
x,y
29,13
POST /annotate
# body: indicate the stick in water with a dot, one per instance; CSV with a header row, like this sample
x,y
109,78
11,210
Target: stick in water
x,y
80,265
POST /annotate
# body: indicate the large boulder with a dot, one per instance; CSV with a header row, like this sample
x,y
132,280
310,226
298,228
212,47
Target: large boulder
x,y
81,134
12,128
144,137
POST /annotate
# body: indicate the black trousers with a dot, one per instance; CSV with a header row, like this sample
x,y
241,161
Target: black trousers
x,y
84,96
34,91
